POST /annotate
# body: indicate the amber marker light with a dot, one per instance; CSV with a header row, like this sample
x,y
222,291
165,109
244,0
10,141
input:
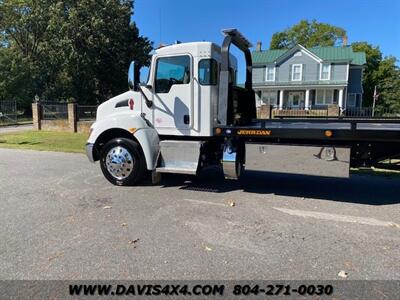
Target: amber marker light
x,y
132,130
328,133
218,131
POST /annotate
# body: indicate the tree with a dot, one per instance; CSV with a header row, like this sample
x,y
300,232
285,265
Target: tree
x,y
382,73
388,84
64,49
374,58
308,34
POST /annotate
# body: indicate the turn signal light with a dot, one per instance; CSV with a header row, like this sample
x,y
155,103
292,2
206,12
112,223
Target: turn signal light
x,y
328,133
218,131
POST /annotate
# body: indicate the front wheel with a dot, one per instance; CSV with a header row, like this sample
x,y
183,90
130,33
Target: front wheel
x,y
122,161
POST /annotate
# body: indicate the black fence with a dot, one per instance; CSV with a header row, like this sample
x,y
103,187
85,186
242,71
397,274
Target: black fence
x,y
86,112
8,112
335,112
370,112
14,113
54,110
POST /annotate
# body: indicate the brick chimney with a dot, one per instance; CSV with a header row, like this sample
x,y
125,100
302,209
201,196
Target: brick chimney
x,y
345,41
258,47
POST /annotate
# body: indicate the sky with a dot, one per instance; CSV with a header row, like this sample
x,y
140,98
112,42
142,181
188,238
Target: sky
x,y
165,21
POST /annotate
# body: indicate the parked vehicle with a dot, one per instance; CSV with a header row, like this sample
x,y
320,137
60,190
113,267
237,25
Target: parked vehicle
x,y
191,114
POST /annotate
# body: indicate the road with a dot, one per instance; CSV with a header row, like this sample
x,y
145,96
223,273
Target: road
x,y
60,219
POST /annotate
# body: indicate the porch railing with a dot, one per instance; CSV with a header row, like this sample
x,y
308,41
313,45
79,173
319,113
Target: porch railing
x,y
299,112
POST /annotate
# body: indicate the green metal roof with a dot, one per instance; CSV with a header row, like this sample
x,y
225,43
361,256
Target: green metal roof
x,y
359,59
265,57
325,53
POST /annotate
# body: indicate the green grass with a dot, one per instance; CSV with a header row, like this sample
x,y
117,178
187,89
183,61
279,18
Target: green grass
x,y
375,171
45,141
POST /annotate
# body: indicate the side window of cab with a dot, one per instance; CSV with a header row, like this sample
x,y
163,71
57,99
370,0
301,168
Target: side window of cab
x,y
170,71
208,72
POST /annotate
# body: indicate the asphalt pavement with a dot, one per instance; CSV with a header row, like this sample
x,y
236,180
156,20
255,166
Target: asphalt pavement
x,y
60,219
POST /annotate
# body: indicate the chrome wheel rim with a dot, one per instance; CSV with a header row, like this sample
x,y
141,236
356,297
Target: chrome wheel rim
x,y
119,162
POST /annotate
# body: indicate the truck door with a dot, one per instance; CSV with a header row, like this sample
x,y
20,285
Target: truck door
x,y
173,92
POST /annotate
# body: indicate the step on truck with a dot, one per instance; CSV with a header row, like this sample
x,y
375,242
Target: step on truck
x,y
190,114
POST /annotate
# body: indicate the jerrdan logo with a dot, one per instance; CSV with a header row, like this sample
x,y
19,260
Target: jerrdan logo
x,y
254,132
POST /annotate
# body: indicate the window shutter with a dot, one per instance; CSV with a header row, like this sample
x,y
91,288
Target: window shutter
x,y
303,72
318,72
331,72
290,72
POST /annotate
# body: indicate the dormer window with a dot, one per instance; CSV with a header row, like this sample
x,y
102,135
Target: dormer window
x,y
297,70
270,73
325,72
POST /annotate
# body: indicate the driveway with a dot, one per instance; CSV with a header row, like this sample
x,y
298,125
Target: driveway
x,y
15,128
60,219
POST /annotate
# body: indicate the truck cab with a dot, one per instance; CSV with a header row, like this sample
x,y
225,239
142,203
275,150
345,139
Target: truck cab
x,y
169,120
183,87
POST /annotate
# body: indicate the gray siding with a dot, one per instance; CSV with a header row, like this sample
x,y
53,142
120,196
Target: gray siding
x,y
258,74
355,85
310,73
339,72
310,68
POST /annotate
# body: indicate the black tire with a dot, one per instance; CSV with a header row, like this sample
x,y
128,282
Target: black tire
x,y
138,160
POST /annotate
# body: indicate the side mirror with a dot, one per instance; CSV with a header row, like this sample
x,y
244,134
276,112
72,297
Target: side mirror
x,y
134,76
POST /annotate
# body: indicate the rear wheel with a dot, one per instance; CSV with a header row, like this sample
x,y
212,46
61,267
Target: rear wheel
x,y
122,161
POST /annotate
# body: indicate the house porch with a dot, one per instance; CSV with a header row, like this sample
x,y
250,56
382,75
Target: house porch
x,y
309,98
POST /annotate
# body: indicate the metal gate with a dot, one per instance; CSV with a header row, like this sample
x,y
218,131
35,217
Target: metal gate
x,y
52,110
8,112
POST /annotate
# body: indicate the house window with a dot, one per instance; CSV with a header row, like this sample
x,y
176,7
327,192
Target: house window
x,y
297,70
351,100
324,97
270,74
269,97
325,72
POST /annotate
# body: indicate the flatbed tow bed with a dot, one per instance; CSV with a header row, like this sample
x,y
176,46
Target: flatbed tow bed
x,y
341,129
371,140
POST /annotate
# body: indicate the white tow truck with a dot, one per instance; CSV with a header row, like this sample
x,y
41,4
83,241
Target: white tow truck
x,y
190,114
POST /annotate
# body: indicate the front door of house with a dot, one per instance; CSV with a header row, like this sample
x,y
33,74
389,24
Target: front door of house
x,y
296,99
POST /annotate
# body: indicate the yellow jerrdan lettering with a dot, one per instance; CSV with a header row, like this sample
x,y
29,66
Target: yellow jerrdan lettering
x,y
253,132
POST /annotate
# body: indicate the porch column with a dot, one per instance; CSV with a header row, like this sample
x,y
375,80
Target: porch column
x,y
340,102
280,99
307,100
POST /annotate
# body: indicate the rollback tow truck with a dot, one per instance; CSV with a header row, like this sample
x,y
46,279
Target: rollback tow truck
x,y
190,114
